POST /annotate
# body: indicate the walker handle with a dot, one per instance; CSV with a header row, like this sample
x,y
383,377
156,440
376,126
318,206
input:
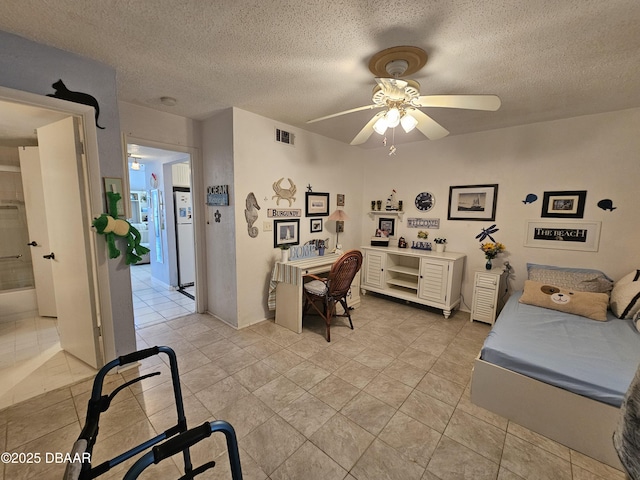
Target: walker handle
x,y
139,355
181,442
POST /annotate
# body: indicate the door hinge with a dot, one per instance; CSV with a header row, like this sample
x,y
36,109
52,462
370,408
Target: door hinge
x,y
98,330
81,147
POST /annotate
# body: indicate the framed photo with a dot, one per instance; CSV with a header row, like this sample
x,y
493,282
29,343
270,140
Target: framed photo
x,y
286,232
564,204
114,184
340,199
316,225
583,236
317,204
473,202
387,226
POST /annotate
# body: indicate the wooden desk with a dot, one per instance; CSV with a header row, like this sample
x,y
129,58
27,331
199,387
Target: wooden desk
x,y
290,282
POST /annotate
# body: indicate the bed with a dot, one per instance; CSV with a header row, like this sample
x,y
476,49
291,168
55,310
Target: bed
x,y
559,374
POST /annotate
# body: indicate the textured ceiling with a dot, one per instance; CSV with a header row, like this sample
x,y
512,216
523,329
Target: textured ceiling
x,y
292,61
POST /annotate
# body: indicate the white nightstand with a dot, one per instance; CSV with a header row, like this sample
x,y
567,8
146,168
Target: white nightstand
x,y
489,289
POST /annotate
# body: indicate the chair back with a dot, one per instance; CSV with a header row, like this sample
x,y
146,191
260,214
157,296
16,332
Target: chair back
x,y
342,273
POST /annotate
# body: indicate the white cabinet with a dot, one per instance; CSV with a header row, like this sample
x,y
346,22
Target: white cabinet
x,y
374,269
489,289
424,277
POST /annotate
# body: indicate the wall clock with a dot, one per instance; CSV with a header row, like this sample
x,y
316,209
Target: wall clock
x,y
425,201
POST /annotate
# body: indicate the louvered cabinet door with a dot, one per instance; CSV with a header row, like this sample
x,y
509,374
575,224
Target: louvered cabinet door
x,y
374,269
488,286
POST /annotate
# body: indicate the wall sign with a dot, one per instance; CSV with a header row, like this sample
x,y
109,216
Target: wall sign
x,y
423,222
584,236
218,195
284,212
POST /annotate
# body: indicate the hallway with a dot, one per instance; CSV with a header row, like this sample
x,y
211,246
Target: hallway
x,y
154,304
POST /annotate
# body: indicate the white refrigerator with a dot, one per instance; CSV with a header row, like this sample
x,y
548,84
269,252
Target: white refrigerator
x,y
184,239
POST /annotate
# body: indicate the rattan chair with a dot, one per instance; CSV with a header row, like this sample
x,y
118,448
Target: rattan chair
x,y
333,289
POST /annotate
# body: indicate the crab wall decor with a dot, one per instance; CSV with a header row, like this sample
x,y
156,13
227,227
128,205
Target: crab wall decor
x,y
287,194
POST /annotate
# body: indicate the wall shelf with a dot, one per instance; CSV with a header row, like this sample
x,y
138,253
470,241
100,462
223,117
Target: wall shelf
x,y
394,213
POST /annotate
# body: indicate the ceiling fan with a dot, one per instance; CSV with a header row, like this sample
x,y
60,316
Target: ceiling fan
x,y
401,99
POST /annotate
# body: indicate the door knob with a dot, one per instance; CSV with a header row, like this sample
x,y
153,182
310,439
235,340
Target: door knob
x,y
33,244
51,256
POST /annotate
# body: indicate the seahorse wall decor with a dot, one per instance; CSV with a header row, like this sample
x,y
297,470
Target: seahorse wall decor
x,y
284,193
63,93
251,214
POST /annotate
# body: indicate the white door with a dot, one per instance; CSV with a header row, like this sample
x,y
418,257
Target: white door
x,y
38,232
69,230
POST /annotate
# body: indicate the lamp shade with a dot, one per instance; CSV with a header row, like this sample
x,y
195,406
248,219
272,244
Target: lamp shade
x,y
408,122
339,216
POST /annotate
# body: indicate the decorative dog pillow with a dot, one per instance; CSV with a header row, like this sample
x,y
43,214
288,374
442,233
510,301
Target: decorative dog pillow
x,y
586,304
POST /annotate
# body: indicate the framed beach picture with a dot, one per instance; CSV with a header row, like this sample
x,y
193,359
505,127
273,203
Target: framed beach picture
x,y
473,202
316,204
286,232
563,235
567,204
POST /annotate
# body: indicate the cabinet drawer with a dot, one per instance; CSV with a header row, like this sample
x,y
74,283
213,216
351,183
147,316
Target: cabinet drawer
x,y
487,280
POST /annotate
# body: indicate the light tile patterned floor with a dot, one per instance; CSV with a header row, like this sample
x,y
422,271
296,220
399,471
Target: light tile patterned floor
x,y
32,361
388,400
153,303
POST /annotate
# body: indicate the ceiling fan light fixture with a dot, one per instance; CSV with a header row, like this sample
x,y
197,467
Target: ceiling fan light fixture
x,y
408,122
380,126
392,117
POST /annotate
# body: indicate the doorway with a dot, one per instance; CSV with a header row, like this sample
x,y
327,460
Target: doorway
x,y
45,350
160,287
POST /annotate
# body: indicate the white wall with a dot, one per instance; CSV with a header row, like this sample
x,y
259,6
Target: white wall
x,y
31,67
217,153
596,153
239,150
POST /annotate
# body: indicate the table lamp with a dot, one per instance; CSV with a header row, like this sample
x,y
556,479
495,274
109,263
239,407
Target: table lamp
x,y
339,216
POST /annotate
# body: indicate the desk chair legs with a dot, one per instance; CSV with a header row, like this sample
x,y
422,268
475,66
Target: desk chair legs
x,y
328,312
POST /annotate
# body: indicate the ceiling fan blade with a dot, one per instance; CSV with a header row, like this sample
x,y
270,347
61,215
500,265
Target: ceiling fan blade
x,y
428,126
366,132
358,109
469,102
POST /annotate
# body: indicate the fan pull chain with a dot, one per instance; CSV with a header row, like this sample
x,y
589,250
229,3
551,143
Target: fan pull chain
x,y
392,149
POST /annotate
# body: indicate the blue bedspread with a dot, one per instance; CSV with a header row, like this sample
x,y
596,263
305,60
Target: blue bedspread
x,y
587,357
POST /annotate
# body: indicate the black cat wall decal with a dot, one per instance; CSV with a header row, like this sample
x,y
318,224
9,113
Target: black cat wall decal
x,y
62,92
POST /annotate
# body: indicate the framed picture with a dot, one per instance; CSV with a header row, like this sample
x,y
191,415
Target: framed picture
x,y
316,225
286,232
317,204
340,199
584,236
387,226
473,202
564,204
114,185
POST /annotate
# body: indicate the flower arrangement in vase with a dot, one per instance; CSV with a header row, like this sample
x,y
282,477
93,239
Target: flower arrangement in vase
x,y
491,250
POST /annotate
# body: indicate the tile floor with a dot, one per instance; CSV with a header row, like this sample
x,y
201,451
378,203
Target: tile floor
x,y
32,361
153,303
388,400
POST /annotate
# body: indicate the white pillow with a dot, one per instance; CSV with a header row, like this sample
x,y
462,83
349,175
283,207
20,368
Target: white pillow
x,y
625,296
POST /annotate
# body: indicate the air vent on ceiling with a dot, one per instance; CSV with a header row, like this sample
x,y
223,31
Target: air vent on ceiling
x,y
283,136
